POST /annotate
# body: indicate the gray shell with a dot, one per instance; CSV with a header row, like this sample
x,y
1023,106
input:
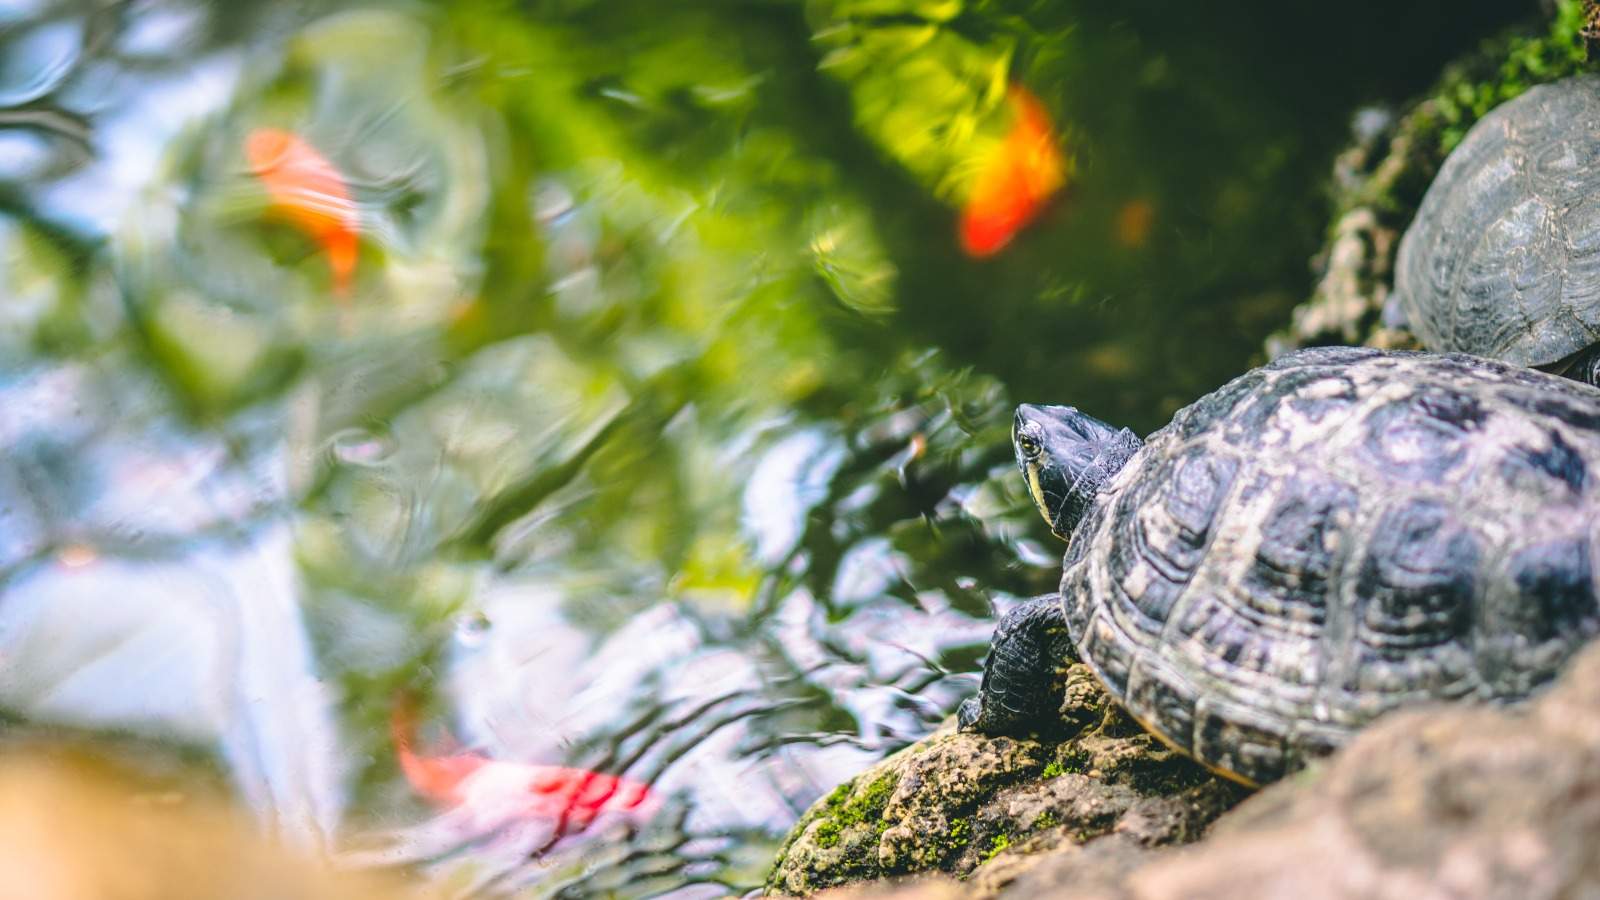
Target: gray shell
x,y
1334,535
1503,258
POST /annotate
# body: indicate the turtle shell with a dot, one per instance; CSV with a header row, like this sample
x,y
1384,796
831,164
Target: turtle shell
x,y
1334,535
1503,258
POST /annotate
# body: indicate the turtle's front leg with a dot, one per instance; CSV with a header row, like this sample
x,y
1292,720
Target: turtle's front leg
x,y
1020,692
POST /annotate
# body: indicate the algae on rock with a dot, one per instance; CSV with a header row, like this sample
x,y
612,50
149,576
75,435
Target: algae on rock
x,y
1456,800
961,803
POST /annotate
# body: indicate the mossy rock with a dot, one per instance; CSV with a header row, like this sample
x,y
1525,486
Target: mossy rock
x,y
1457,800
1379,181
955,803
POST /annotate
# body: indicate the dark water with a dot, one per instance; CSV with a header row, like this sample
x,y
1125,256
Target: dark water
x,y
661,429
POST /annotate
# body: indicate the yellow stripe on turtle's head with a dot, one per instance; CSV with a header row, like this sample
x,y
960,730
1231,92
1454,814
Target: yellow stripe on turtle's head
x,y
1066,457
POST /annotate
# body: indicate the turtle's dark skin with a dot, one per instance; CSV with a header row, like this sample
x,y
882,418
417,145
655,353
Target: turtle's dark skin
x,y
1324,539
1065,457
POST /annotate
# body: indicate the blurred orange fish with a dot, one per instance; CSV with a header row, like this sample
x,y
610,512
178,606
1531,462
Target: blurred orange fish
x,y
1013,184
310,193
1133,223
495,792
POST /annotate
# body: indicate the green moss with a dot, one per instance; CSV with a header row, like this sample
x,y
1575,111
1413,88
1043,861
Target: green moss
x,y
829,822
827,833
1525,60
844,811
1052,770
959,836
996,844
871,802
839,794
1047,819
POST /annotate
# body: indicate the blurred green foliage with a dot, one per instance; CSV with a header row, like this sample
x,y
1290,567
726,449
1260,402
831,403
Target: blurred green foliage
x,y
924,92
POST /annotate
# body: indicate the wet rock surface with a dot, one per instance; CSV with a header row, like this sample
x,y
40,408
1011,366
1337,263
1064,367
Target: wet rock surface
x,y
967,804
1449,801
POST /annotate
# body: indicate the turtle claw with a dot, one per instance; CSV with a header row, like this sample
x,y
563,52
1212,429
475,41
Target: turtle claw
x,y
1019,693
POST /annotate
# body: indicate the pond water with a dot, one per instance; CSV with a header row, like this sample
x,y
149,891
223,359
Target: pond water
x,y
550,444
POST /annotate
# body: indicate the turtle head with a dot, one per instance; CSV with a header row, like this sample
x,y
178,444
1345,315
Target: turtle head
x,y
1066,457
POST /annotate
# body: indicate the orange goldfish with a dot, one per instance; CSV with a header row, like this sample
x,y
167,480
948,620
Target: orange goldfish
x,y
310,193
1013,184
494,792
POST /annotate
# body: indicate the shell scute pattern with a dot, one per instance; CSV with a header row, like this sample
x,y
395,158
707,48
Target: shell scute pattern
x,y
1576,415
1324,356
1423,435
1526,467
1491,284
1414,594
1235,738
1254,604
1560,166
1159,532
1330,395
1078,591
1558,578
1582,281
1546,607
1112,654
1278,671
1288,578
1158,693
1198,418
1503,257
1280,416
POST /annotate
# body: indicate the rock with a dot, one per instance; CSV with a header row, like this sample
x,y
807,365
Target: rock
x,y
1448,801
957,803
137,822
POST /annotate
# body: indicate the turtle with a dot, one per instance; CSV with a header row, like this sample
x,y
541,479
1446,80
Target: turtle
x,y
1340,533
1503,257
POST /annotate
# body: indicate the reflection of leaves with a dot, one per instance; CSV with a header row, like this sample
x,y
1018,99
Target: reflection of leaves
x,y
65,65
913,457
849,258
927,94
217,357
927,467
43,307
957,546
604,275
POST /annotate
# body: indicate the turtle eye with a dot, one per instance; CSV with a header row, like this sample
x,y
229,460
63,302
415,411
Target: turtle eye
x,y
1029,444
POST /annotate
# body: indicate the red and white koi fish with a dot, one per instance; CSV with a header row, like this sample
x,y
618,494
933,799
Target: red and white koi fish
x,y
1013,184
310,193
494,792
